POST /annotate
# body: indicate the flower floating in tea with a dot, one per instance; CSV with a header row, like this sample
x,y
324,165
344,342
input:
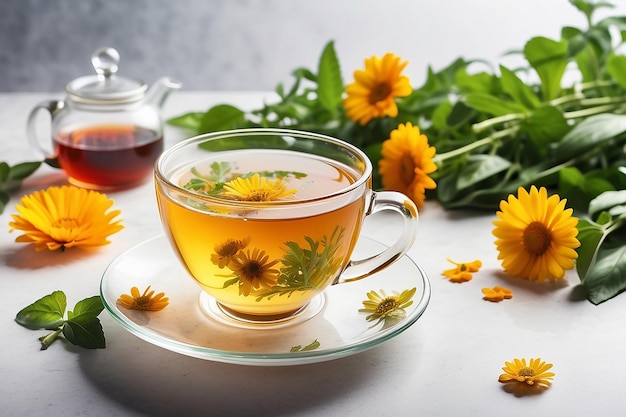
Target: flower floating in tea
x,y
497,294
301,268
257,188
383,307
222,181
63,217
254,271
226,251
373,92
463,271
146,301
407,161
536,235
534,373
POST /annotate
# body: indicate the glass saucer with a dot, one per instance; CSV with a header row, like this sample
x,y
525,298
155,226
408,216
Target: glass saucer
x,y
335,329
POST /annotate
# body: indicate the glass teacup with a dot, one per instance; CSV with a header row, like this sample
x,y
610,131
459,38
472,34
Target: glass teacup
x,y
265,220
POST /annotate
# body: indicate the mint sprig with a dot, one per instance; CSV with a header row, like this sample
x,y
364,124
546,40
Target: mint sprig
x,y
81,328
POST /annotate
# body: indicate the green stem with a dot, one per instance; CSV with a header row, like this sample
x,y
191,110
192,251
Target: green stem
x,y
49,338
577,114
486,124
488,140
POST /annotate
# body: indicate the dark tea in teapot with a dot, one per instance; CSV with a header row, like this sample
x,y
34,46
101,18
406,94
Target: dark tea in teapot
x,y
108,155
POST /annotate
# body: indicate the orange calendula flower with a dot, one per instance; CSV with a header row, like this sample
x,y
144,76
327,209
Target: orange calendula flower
x,y
373,92
225,252
536,235
463,270
533,373
63,217
497,294
146,301
254,271
257,188
407,161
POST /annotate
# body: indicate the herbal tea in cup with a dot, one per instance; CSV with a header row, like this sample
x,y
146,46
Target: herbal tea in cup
x,y
265,219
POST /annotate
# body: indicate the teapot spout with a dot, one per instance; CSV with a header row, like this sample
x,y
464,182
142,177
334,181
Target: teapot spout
x,y
158,93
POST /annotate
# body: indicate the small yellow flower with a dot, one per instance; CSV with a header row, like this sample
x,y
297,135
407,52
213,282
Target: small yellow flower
x,y
534,373
146,301
463,270
257,188
536,235
382,307
374,89
254,271
225,251
62,217
407,161
497,294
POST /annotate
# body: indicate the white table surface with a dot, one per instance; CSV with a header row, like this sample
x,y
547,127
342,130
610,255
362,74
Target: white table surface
x,y
446,364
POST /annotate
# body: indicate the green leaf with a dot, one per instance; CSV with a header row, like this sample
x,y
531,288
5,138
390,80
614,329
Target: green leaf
x,y
545,125
85,331
490,104
606,201
590,236
5,169
329,82
616,67
89,307
607,277
23,170
190,121
45,313
480,167
221,117
517,90
589,133
549,59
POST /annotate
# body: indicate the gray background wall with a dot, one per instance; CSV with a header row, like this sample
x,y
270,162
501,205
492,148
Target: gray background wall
x,y
254,44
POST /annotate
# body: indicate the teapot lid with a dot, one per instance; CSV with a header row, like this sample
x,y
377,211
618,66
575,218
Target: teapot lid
x,y
106,87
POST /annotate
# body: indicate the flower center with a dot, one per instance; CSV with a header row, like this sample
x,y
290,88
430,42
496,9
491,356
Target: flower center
x,y
253,270
387,305
379,92
537,238
407,169
526,372
65,223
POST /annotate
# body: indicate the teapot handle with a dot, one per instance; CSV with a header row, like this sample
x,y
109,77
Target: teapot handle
x,y
52,107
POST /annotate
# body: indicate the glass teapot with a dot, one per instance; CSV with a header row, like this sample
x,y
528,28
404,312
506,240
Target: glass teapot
x,y
108,131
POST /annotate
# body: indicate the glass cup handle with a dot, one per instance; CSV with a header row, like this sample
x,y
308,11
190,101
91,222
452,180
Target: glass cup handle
x,y
385,200
52,107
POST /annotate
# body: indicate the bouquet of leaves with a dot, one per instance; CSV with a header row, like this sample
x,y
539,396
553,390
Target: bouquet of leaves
x,y
495,132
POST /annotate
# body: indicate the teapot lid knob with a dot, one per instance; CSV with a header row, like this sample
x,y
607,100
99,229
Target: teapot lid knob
x,y
106,87
105,61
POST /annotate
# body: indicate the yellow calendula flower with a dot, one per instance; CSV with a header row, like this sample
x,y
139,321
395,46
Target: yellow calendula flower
x,y
257,188
407,161
373,92
535,372
63,217
383,307
225,251
497,294
146,301
463,271
254,270
536,235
